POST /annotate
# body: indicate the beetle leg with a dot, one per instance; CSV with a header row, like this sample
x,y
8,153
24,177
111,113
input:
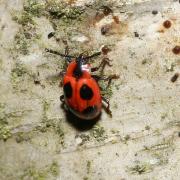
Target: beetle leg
x,y
107,107
68,57
62,98
93,55
63,105
108,78
97,77
104,62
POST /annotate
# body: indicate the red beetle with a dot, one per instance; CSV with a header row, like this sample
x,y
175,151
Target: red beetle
x,y
81,91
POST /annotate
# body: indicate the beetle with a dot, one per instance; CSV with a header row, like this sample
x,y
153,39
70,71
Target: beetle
x,y
82,94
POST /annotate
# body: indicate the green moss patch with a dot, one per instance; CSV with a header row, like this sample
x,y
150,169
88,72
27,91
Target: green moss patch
x,y
24,39
6,117
21,43
23,136
51,124
35,173
27,32
5,132
19,76
98,133
88,165
140,168
63,11
31,8
4,129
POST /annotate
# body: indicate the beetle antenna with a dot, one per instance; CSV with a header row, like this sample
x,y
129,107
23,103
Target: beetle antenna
x,y
57,53
93,55
69,57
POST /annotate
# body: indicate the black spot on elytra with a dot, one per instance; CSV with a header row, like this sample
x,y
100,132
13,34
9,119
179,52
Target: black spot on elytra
x,y
86,92
89,110
68,90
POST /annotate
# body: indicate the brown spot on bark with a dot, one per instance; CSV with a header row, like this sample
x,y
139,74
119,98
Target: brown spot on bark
x,y
175,77
107,10
167,24
116,19
105,50
176,50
